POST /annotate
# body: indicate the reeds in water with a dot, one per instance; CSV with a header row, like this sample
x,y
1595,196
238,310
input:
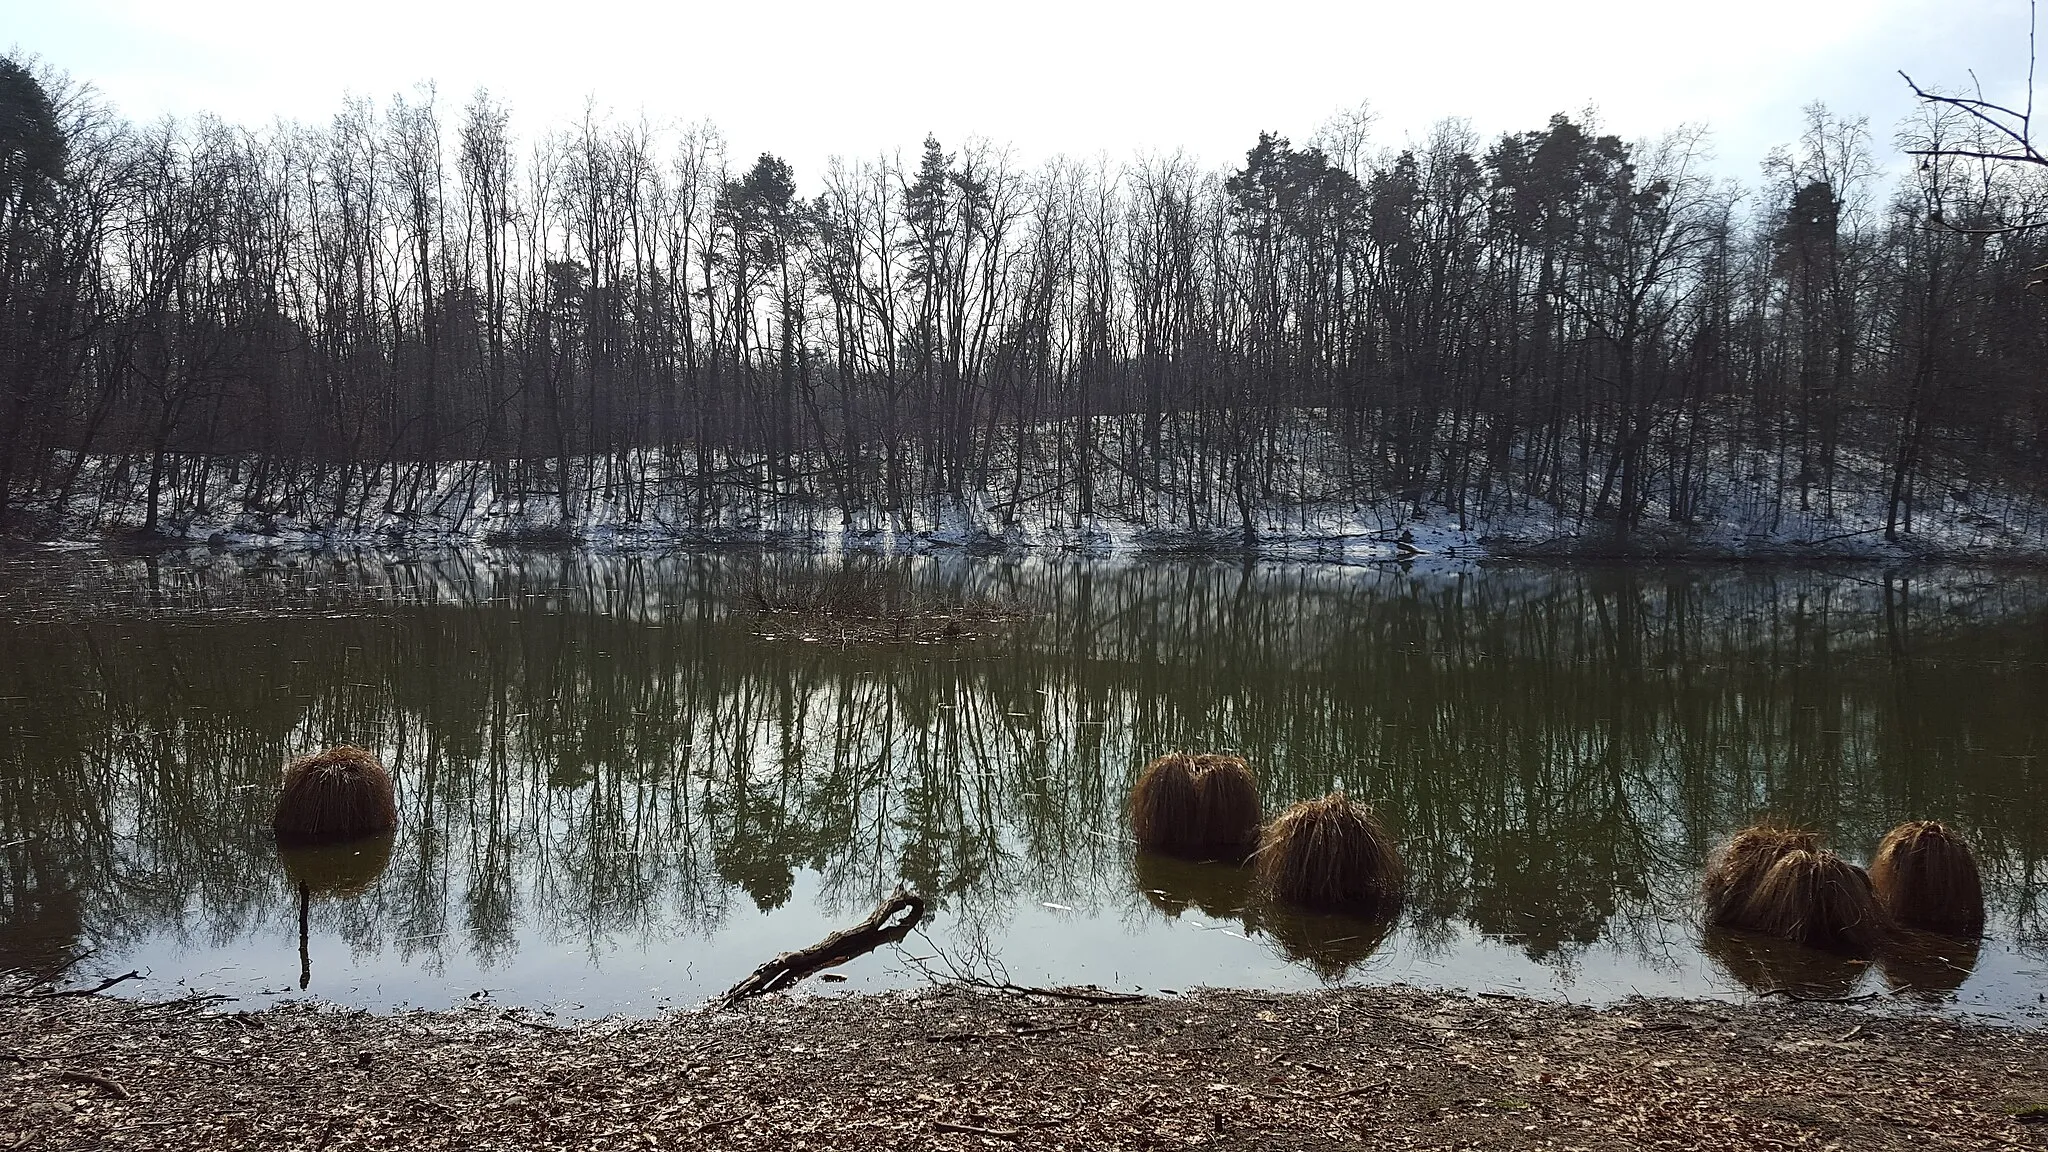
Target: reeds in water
x,y
1202,807
335,795
1332,854
1926,877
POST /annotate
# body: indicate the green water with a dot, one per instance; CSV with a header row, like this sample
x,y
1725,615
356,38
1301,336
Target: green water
x,y
617,794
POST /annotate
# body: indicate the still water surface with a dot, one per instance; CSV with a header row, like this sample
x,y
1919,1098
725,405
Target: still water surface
x,y
619,795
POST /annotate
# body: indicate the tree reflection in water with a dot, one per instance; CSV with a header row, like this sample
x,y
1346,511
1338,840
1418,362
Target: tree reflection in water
x,y
601,749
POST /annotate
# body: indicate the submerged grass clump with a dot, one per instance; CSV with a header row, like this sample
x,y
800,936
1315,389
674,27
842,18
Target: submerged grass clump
x,y
1778,880
337,794
1165,809
1227,804
1203,806
1735,869
1926,877
1332,854
1815,898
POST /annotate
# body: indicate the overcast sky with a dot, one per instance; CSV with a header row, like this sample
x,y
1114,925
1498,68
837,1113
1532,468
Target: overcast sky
x,y
808,79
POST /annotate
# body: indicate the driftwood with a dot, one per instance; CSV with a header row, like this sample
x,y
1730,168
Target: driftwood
x,y
972,1130
833,950
110,1087
95,990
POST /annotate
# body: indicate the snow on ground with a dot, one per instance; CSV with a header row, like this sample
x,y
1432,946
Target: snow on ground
x,y
459,506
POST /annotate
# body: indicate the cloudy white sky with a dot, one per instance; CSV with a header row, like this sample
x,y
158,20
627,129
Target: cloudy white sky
x,y
809,78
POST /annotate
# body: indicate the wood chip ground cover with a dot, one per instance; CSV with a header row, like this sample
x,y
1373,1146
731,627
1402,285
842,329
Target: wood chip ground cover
x,y
953,1068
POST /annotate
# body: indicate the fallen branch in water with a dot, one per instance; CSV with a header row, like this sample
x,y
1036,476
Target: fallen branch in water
x,y
965,971
833,950
1788,994
95,990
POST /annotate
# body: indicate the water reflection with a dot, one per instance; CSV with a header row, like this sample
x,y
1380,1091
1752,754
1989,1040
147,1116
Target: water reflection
x,y
1927,966
1766,964
1331,945
1223,897
599,757
343,869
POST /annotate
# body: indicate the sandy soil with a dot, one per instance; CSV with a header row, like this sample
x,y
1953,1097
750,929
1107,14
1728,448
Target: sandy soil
x,y
961,1068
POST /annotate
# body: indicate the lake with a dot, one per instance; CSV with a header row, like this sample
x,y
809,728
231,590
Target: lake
x,y
622,786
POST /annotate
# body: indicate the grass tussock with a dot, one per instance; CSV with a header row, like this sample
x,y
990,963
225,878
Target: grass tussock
x,y
1332,854
1165,808
337,794
1926,877
1818,899
1199,806
1735,868
1227,804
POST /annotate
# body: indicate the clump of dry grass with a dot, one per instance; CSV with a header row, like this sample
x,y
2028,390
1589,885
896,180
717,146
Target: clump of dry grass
x,y
1331,854
335,795
1166,807
1926,877
1204,806
1227,804
1815,898
1736,867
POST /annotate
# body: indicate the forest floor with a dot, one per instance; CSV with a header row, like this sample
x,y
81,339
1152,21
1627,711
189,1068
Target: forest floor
x,y
951,1067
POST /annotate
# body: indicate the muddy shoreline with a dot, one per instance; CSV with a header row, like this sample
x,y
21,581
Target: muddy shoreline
x,y
953,1067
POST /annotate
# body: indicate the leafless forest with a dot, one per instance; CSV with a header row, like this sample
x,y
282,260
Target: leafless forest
x,y
315,320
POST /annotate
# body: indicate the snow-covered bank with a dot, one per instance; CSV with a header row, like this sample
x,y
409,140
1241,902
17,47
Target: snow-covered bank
x,y
642,503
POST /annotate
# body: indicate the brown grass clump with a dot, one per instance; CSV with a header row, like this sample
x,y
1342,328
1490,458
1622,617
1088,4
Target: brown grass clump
x,y
1204,807
1227,803
1926,878
1334,855
1165,808
335,795
1818,899
1735,868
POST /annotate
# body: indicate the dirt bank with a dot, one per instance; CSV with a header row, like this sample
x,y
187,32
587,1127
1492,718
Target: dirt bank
x,y
950,1068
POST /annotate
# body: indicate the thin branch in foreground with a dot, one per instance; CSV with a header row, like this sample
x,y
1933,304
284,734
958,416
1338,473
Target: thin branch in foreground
x,y
960,973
